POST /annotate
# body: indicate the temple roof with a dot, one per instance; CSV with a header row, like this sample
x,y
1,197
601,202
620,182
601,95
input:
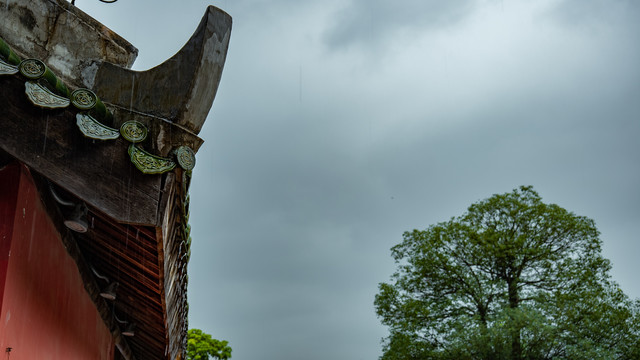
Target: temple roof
x,y
119,141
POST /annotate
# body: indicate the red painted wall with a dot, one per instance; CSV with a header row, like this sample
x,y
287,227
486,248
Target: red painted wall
x,y
45,312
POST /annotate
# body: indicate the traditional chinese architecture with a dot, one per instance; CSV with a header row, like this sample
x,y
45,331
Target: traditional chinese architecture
x,y
95,165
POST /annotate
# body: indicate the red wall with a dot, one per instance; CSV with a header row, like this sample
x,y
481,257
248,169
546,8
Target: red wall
x,y
45,311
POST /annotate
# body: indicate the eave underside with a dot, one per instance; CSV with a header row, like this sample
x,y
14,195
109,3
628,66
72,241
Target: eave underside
x,y
125,241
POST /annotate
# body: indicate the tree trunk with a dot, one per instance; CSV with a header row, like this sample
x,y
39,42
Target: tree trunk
x,y
514,300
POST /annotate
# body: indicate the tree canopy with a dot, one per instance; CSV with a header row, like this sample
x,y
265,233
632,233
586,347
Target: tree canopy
x,y
512,278
201,346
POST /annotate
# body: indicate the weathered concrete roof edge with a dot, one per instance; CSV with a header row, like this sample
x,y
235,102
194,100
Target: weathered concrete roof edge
x,y
182,88
63,36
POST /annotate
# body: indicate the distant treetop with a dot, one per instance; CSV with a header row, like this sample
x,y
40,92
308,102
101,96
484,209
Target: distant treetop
x,y
201,346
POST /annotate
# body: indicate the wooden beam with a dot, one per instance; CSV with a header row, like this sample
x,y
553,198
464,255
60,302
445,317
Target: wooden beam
x,y
98,172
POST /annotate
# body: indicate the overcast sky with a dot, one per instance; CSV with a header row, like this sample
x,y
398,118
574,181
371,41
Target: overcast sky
x,y
339,125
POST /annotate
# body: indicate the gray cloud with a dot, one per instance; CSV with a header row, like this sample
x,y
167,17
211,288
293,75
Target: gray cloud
x,y
315,162
372,21
593,13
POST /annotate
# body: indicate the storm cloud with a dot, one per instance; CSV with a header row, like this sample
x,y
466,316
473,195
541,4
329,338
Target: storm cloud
x,y
366,21
339,125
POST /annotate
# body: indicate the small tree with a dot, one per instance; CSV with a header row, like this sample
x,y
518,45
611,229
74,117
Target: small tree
x,y
512,278
201,346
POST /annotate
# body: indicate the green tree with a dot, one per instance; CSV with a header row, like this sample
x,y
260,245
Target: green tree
x,y
512,278
201,346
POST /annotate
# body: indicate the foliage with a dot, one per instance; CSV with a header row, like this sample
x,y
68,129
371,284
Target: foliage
x,y
200,346
512,278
